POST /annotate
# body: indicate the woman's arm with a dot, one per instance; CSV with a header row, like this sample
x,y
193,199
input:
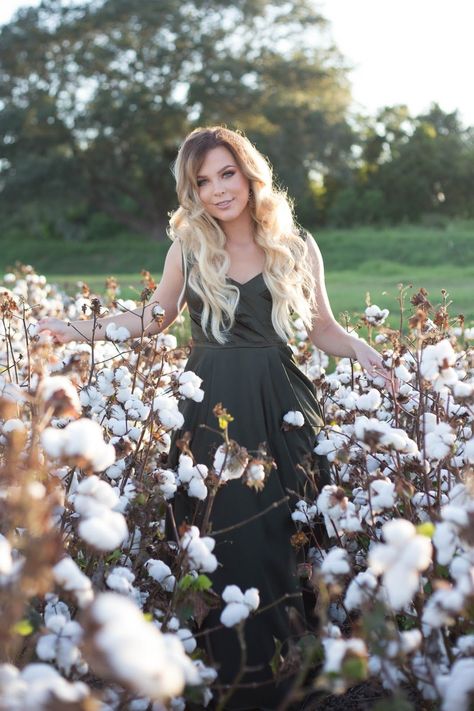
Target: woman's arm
x,y
328,335
140,319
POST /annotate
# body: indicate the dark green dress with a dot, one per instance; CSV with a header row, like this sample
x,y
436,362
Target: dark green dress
x,y
257,380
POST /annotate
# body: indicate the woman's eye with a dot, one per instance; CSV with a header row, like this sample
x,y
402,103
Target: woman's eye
x,y
204,180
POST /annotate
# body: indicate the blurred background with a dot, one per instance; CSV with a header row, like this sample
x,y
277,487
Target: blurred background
x,y
363,108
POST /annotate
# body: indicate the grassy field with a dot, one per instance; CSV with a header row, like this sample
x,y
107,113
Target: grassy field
x,y
357,261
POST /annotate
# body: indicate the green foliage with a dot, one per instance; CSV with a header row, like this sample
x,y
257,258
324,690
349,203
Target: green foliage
x,y
199,583
409,168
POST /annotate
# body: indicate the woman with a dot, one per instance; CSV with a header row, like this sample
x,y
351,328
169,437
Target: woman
x,y
244,268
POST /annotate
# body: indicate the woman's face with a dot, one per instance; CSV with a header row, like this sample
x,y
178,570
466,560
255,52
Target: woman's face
x,y
222,187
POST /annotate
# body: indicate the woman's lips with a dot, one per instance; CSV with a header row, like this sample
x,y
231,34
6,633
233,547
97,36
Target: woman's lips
x,y
224,204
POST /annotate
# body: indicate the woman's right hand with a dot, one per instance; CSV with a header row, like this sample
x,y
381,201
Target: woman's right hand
x,y
59,330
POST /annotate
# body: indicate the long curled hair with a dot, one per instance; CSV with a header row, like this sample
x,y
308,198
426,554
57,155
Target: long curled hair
x,y
286,271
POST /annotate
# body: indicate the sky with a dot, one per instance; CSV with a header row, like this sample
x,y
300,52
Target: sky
x,y
409,52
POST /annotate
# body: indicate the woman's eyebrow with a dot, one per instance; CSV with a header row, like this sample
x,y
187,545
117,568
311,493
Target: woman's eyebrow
x,y
219,171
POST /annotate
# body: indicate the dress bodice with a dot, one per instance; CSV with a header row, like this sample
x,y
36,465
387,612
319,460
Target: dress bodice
x,y
253,316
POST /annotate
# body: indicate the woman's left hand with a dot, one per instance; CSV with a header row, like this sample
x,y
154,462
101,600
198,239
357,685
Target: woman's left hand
x,y
372,362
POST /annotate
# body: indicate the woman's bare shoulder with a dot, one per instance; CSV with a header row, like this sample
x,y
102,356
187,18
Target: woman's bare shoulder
x,y
173,260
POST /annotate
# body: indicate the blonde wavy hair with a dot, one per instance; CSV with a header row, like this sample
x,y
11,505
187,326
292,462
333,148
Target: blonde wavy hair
x,y
286,271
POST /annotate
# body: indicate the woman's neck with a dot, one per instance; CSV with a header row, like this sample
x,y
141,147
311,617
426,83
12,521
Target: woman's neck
x,y
240,231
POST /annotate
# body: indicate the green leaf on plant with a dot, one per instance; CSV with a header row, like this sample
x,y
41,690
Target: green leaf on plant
x,y
186,582
354,668
276,660
23,628
202,582
426,529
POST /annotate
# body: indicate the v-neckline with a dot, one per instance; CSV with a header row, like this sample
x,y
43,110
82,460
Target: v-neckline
x,y
240,283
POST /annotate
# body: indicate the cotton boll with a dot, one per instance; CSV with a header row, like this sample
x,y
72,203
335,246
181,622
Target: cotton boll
x,y
167,341
82,440
360,591
369,401
468,454
189,386
252,598
457,688
382,494
443,608
336,651
462,390
233,613
52,441
239,604
187,639
30,689
6,560
105,533
436,364
117,333
120,579
118,427
230,463
294,418
335,564
92,495
232,593
376,316
185,469
197,489
304,513
69,576
13,425
136,653
199,550
445,541
400,560
167,409
59,393
161,572
61,645
167,482
255,474
116,470
92,398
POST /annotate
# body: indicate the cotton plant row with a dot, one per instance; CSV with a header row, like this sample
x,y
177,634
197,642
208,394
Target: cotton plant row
x,y
92,446
83,449
398,568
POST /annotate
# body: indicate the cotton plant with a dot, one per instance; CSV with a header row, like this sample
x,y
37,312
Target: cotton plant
x,y
134,652
159,571
79,442
198,550
230,461
33,687
70,578
238,604
193,477
100,525
399,560
61,644
117,334
293,419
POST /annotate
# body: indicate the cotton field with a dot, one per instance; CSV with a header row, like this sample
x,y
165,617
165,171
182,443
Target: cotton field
x,y
99,612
